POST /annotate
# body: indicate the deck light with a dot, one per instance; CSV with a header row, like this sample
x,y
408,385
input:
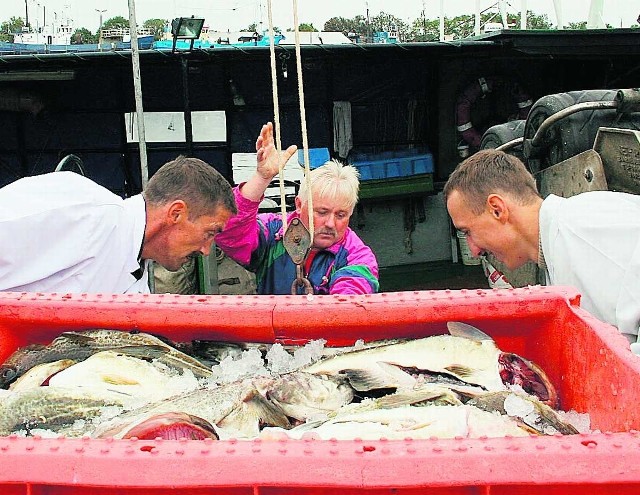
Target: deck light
x,y
186,28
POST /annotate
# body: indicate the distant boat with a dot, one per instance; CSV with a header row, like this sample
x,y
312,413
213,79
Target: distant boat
x,y
7,48
223,40
57,38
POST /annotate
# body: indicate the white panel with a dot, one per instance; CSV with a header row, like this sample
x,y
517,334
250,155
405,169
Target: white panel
x,y
168,127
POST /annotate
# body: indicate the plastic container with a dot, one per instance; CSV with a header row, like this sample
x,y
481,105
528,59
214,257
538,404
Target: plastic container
x,y
465,253
588,361
317,157
392,164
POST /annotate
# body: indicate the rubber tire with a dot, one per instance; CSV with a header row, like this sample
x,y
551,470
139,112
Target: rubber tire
x,y
500,134
575,133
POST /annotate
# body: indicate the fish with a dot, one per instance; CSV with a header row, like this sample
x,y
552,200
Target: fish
x,y
399,423
530,413
40,374
79,345
56,408
303,396
110,370
236,408
173,426
466,353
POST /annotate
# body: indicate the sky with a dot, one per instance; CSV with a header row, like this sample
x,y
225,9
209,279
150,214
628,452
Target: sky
x,y
234,15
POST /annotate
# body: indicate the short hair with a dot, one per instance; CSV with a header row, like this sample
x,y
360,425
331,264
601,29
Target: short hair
x,y
193,181
487,172
333,180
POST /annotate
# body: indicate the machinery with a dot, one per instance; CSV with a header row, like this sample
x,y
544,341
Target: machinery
x,y
574,142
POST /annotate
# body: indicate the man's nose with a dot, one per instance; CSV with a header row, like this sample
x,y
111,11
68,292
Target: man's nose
x,y
473,247
206,248
331,221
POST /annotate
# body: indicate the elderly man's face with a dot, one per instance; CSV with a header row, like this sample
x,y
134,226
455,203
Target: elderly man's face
x,y
330,220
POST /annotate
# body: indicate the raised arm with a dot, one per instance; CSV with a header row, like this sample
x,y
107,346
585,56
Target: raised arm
x,y
268,164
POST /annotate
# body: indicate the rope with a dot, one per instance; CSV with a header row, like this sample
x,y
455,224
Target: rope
x,y
276,119
303,117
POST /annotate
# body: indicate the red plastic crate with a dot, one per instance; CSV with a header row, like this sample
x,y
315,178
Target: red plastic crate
x,y
587,360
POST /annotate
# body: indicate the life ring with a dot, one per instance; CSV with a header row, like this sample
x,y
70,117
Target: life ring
x,y
478,89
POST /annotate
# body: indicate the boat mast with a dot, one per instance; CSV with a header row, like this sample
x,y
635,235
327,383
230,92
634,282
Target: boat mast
x,y
26,13
595,20
557,5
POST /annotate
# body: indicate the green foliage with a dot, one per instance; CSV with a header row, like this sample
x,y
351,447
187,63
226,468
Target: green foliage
x,y
307,28
389,22
156,26
7,28
356,25
537,21
577,25
117,22
83,35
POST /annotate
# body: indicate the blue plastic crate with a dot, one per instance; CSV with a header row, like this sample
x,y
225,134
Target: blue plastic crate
x,y
317,157
390,164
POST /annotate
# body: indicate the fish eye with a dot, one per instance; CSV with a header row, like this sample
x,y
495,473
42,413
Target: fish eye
x,y
8,373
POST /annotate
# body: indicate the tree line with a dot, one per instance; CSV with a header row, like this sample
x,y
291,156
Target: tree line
x,y
418,30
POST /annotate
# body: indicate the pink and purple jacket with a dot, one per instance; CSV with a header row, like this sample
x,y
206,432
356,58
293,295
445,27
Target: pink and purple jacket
x,y
255,241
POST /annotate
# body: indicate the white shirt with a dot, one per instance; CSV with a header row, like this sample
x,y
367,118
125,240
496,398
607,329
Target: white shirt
x,y
592,241
61,232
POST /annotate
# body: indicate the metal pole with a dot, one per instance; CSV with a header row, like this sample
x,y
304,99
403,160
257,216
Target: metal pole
x,y
100,28
137,88
26,14
441,20
188,131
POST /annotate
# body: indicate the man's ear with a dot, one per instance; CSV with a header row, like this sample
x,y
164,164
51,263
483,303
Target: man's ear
x,y
298,202
177,211
498,207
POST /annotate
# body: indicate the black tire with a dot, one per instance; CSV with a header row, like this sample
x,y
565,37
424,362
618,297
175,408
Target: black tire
x,y
500,134
573,134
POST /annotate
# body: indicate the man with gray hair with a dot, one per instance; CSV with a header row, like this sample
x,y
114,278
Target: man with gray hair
x,y
338,263
62,232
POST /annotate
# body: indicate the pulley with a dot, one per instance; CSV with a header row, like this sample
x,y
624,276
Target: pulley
x,y
297,243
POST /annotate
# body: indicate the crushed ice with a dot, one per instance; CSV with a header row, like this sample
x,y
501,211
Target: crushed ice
x,y
276,361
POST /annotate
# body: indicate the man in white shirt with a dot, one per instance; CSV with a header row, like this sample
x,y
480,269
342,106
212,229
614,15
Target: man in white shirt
x,y
61,232
590,241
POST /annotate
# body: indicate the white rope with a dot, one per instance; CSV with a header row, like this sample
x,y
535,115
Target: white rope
x,y
276,118
303,117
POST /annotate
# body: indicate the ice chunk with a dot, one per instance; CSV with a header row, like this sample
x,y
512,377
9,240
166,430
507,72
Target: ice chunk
x,y
580,421
279,360
249,364
517,406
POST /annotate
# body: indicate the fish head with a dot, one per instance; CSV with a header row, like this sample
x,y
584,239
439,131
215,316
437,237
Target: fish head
x,y
8,373
172,426
516,370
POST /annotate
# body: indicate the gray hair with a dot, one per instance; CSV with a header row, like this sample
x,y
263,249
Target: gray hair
x,y
193,181
335,181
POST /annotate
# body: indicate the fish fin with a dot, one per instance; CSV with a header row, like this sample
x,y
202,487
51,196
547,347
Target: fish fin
x,y
384,375
151,351
408,397
460,370
113,379
252,413
76,337
459,329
